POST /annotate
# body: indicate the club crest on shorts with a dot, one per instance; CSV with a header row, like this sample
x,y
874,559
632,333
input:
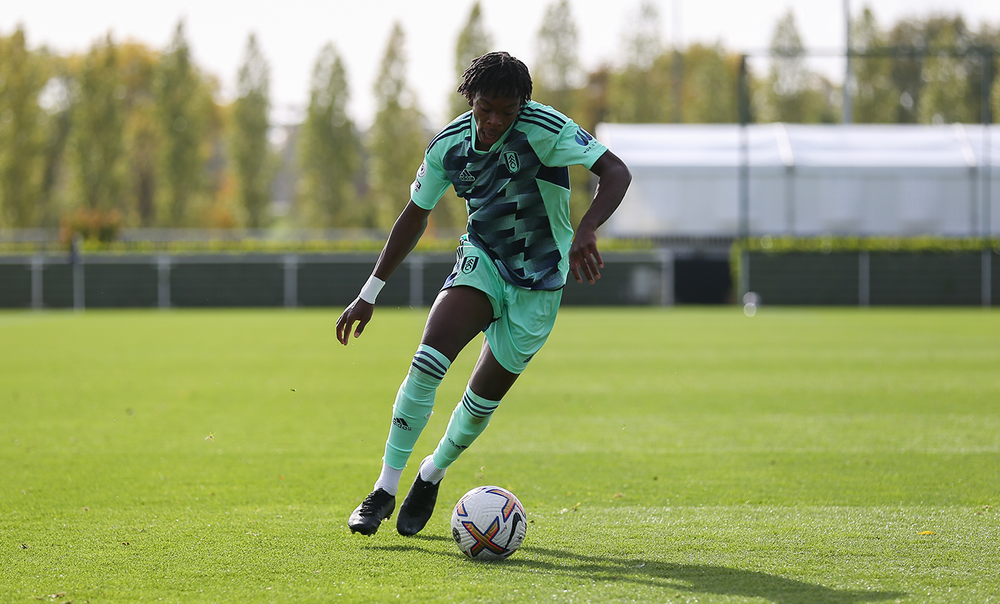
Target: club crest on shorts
x,y
469,264
512,162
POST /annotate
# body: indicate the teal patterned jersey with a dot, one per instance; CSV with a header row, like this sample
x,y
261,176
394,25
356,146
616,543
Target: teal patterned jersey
x,y
517,193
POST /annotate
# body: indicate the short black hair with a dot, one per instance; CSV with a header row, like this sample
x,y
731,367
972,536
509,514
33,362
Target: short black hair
x,y
499,74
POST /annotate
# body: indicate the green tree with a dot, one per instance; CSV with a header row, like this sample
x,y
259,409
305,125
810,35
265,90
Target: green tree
x,y
995,94
557,74
57,101
248,143
473,41
22,133
792,93
918,36
875,98
907,35
943,97
396,140
137,66
181,116
328,149
98,159
986,40
709,90
557,80
641,91
788,79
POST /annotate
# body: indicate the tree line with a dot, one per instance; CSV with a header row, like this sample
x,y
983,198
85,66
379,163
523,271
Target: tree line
x,y
128,136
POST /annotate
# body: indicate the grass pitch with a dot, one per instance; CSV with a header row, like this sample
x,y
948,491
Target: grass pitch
x,y
686,455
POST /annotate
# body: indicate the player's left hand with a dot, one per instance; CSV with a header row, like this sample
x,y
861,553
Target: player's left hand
x,y
584,257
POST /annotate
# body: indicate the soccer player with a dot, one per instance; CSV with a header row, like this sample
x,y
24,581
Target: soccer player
x,y
508,158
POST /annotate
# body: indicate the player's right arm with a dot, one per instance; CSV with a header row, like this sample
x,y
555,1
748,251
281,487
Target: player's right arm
x,y
428,187
402,238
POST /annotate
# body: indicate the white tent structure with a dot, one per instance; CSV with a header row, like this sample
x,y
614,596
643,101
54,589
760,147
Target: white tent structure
x,y
807,180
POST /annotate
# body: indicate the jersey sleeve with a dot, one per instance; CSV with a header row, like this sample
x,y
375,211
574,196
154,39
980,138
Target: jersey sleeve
x,y
572,146
430,183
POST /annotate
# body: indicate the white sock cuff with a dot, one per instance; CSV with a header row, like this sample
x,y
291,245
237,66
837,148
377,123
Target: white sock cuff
x,y
430,472
388,480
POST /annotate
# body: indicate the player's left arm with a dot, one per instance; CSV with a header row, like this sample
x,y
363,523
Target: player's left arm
x,y
613,178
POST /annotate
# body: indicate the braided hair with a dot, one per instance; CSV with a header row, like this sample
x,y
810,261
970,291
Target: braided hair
x,y
499,74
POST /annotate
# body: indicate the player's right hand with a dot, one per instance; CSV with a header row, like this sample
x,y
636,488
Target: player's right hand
x,y
359,312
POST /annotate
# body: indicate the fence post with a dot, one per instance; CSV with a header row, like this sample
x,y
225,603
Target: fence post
x,y
76,266
666,276
864,279
416,280
37,263
987,279
291,281
163,282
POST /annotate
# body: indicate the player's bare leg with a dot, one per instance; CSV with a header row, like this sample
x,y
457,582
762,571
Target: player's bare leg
x,y
457,316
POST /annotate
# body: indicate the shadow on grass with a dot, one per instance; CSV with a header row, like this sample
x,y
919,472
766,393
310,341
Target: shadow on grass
x,y
679,578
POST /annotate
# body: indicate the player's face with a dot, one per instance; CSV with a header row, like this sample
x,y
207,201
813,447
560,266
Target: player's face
x,y
493,115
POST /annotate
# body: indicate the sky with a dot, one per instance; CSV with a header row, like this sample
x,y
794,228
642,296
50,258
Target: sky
x,y
292,32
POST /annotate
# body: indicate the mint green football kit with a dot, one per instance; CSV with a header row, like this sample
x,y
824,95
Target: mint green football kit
x,y
515,250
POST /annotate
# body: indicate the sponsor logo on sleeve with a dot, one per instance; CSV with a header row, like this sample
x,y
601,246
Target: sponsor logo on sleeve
x,y
585,139
422,170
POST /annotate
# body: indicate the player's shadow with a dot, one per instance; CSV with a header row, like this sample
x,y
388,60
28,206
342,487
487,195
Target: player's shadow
x,y
679,578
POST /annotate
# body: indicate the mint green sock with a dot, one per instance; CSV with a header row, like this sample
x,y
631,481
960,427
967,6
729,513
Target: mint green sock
x,y
468,421
414,404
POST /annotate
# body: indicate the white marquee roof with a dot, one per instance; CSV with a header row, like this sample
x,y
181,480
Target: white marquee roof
x,y
862,146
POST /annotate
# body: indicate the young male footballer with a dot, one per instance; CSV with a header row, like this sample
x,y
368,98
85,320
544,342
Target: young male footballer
x,y
508,158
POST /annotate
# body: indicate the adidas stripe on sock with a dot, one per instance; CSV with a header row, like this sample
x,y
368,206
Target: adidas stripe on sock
x,y
414,404
468,420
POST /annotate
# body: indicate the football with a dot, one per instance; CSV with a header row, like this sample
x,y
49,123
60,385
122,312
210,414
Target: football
x,y
488,523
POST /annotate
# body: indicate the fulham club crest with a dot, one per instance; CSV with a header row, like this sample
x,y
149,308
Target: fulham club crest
x,y
512,162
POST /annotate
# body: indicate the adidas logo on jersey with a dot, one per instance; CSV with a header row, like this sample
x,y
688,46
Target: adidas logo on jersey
x,y
466,176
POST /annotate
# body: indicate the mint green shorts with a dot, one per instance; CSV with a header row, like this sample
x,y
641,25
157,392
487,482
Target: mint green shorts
x,y
522,318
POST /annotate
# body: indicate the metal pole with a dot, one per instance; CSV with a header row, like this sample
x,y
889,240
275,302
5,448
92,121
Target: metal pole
x,y
986,172
864,279
743,102
163,282
416,280
76,266
666,276
37,263
744,170
291,281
